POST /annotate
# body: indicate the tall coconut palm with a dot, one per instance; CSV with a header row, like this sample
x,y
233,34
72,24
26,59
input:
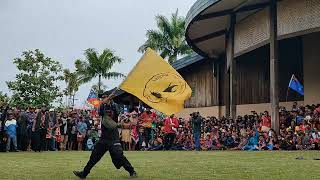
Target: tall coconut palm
x,y
169,38
73,82
97,65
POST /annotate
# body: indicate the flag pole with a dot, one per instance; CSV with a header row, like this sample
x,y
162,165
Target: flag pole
x,y
289,87
287,94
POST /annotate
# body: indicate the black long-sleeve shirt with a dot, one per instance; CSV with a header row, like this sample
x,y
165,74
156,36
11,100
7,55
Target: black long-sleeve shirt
x,y
109,129
196,124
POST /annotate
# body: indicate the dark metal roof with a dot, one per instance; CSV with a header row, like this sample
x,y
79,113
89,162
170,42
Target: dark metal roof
x,y
117,92
186,61
120,96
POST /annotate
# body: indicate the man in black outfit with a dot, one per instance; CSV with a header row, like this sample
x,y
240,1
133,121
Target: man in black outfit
x,y
109,141
39,129
23,131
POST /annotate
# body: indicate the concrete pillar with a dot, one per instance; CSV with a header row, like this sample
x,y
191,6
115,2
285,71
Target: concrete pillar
x,y
232,70
227,79
274,69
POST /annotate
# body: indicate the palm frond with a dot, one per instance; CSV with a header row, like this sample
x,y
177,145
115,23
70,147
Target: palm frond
x,y
173,57
108,59
169,38
155,41
165,53
96,65
111,75
185,49
92,57
85,79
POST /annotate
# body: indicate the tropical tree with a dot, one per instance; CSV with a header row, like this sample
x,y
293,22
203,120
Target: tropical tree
x,y
169,38
73,82
36,83
97,65
4,99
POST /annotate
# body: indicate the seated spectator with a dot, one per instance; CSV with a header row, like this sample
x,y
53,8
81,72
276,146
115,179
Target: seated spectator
x,y
229,141
262,145
208,142
270,145
188,144
253,141
156,144
216,145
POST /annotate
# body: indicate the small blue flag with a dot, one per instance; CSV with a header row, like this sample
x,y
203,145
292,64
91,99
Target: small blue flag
x,y
294,84
92,95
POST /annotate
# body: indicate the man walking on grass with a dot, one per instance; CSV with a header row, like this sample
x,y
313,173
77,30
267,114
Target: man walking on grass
x,y
109,141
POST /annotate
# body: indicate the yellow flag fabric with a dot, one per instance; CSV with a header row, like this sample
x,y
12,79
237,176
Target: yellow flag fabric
x,y
157,84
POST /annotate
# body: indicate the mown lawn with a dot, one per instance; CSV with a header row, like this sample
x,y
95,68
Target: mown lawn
x,y
165,165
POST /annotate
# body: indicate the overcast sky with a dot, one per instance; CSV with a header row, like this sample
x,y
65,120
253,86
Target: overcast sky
x,y
63,29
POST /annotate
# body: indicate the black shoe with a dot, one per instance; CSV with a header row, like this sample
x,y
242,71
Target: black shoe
x,y
80,174
133,174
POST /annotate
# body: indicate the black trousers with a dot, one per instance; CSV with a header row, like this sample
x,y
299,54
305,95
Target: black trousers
x,y
23,141
116,153
147,136
39,140
168,141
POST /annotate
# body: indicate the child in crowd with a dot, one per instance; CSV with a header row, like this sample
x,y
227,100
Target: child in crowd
x,y
208,142
188,143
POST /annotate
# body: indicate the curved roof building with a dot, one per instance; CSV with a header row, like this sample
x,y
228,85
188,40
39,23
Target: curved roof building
x,y
253,47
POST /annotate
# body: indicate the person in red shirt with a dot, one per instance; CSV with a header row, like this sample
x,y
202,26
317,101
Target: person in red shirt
x,y
266,122
147,118
170,129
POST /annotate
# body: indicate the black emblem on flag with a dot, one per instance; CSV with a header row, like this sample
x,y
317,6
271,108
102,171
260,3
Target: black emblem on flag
x,y
162,86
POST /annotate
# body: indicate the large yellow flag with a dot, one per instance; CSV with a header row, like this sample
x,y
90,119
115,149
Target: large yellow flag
x,y
157,84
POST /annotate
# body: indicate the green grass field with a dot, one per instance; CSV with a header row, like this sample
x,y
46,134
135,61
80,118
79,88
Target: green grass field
x,y
165,165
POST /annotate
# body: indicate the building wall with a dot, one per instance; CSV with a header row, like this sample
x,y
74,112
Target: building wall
x,y
219,111
204,111
294,17
208,78
253,77
247,108
203,82
311,51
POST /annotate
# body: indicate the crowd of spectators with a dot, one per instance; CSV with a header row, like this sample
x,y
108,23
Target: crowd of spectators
x,y
299,130
47,130
43,130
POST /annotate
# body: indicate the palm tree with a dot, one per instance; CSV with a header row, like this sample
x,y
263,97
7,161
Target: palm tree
x,y
73,82
97,65
169,38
